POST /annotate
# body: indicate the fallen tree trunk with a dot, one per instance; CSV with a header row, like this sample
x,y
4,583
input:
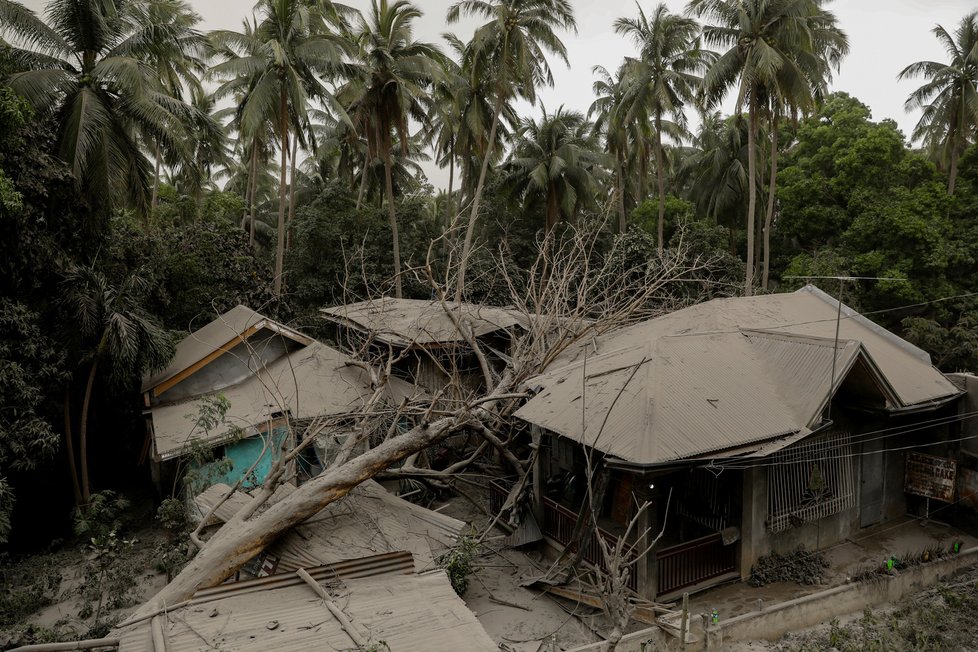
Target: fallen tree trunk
x,y
241,539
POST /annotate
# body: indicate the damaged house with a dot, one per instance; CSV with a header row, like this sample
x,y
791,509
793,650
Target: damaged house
x,y
246,387
746,424
427,340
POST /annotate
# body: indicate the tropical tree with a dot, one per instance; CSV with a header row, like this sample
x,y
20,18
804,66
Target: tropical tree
x,y
397,73
179,68
554,162
91,67
509,50
769,43
662,79
714,169
118,338
277,67
949,98
610,121
816,57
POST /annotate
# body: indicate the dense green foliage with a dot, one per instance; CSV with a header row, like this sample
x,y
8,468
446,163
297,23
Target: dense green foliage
x,y
134,205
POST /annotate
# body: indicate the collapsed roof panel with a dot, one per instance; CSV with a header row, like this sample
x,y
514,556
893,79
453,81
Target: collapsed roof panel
x,y
418,322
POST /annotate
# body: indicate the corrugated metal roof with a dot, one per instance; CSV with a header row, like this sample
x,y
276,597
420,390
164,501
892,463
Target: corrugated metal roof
x,y
415,613
808,311
367,521
403,322
706,379
213,336
313,381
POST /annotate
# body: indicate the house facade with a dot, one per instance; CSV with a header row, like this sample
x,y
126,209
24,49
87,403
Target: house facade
x,y
245,387
745,426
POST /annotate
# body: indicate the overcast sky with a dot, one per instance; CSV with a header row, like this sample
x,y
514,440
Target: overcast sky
x,y
884,36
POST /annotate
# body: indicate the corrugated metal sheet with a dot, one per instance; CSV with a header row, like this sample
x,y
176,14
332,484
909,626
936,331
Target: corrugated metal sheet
x,y
402,322
801,367
314,381
411,613
211,337
390,563
367,521
808,311
721,375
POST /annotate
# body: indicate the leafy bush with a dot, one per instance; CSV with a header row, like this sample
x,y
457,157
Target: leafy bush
x,y
457,563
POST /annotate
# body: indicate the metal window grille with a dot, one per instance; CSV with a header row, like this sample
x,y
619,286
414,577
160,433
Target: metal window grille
x,y
810,481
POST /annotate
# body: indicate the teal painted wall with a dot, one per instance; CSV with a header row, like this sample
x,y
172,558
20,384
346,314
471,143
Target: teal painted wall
x,y
242,455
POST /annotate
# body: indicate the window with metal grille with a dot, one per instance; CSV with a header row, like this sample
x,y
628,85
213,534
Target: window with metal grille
x,y
810,481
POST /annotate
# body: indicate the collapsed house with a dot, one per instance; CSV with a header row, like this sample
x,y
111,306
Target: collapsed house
x,y
245,386
427,340
747,426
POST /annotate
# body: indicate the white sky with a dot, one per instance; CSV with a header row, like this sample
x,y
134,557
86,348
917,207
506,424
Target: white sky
x,y
884,37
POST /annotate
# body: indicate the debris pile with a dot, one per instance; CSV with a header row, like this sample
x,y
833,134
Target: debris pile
x,y
799,566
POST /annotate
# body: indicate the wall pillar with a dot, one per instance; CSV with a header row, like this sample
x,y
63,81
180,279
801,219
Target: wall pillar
x,y
648,524
753,534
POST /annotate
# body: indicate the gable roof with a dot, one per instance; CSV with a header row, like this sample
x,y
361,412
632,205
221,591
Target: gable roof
x,y
721,375
407,322
313,381
412,613
216,337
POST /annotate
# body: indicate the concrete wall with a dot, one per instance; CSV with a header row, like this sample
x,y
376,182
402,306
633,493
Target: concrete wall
x,y
775,621
968,405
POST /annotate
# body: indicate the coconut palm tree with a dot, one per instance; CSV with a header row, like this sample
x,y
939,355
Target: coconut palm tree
x,y
91,66
397,73
610,121
949,98
119,339
179,69
816,58
714,169
554,162
766,40
277,65
509,50
662,79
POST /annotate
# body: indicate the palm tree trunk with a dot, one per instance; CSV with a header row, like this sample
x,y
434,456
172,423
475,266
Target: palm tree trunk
x,y
280,244
86,489
751,196
156,179
252,194
70,450
661,185
295,153
622,218
449,201
393,217
363,181
771,195
476,199
552,209
952,174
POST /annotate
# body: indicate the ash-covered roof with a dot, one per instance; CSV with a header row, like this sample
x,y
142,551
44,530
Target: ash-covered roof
x,y
221,334
417,322
411,613
723,374
311,382
367,521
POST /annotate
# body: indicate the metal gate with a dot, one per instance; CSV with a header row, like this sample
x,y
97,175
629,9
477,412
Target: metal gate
x,y
694,562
